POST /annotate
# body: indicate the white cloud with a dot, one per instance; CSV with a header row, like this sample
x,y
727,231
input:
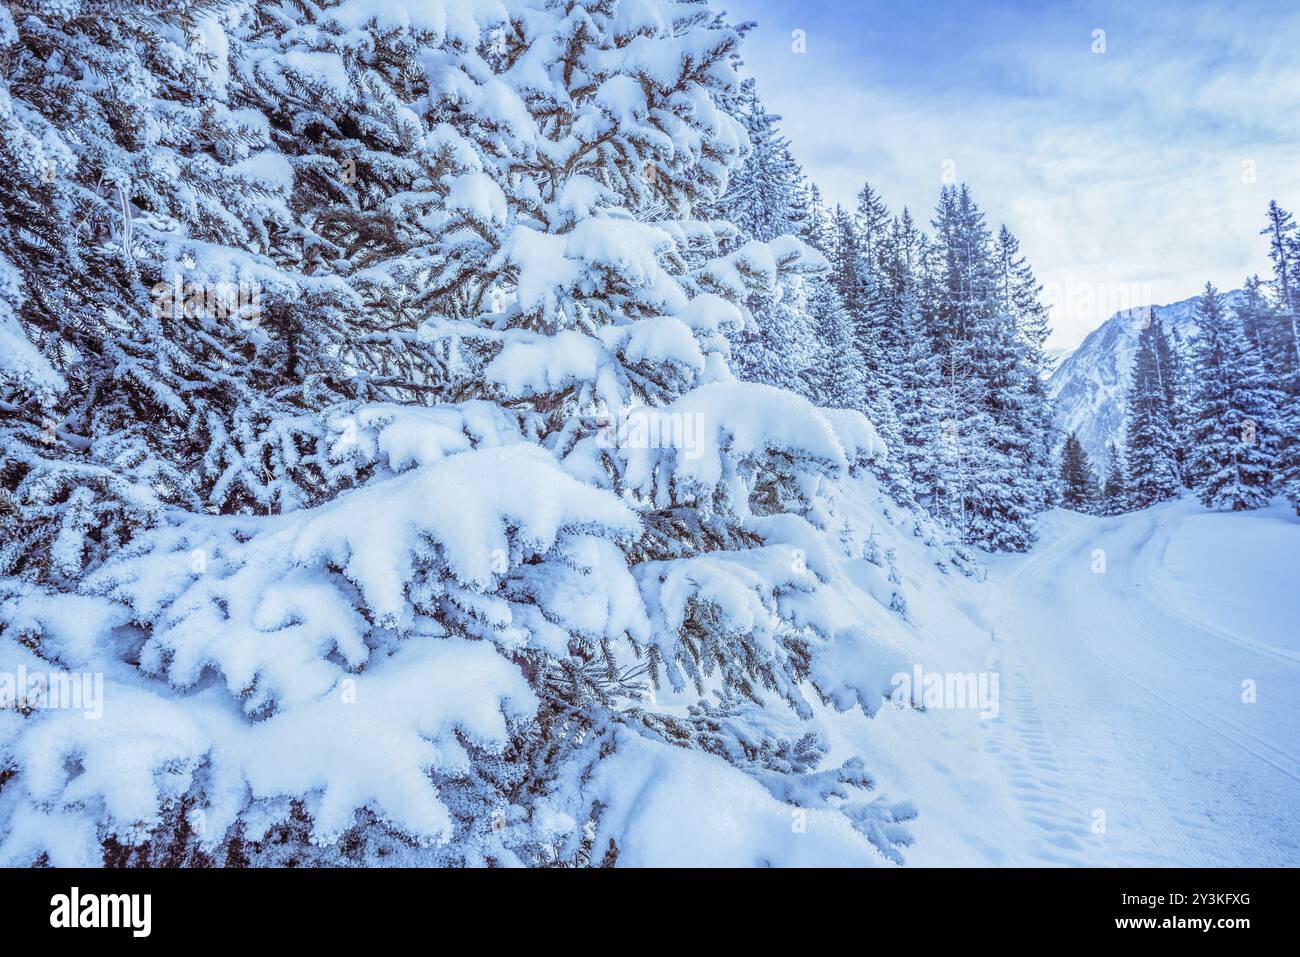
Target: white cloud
x,y
1120,168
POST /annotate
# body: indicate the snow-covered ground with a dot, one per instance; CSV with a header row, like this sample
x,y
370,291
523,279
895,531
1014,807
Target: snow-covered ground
x,y
1123,735
1127,692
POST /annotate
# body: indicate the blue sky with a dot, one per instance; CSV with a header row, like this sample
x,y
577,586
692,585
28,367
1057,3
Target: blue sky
x,y
1129,175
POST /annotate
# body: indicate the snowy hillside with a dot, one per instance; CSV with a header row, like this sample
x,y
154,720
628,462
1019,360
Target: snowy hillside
x,y
1088,386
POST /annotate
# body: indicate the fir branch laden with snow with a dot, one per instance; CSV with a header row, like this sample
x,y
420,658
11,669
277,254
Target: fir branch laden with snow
x,y
379,575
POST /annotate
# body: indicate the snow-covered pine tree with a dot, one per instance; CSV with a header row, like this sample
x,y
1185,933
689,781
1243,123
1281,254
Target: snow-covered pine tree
x,y
1268,332
1004,473
1284,252
1275,329
185,367
880,283
1259,318
1287,464
855,283
917,392
817,229
1233,414
849,270
514,492
1078,481
964,437
1150,440
763,202
1021,296
1114,491
907,368
878,323
1010,490
764,196
837,378
1172,379
873,227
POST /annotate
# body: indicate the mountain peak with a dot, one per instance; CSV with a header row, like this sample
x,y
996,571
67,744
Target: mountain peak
x,y
1089,385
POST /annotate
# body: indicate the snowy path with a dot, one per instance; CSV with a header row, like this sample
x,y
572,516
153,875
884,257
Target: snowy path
x,y
1122,690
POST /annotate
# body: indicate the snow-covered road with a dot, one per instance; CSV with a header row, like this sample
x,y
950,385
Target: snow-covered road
x,y
1150,676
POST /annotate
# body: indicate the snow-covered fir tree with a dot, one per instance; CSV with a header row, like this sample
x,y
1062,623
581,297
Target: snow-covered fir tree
x,y
925,313
1284,252
1078,480
389,558
918,399
911,367
837,378
1114,489
1172,379
1273,325
1021,296
989,337
1233,421
964,438
154,271
1150,436
763,201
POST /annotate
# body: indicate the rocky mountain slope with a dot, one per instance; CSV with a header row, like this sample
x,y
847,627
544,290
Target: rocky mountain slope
x,y
1089,386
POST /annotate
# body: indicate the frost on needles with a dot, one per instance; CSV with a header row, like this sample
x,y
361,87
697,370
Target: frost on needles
x,y
366,568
